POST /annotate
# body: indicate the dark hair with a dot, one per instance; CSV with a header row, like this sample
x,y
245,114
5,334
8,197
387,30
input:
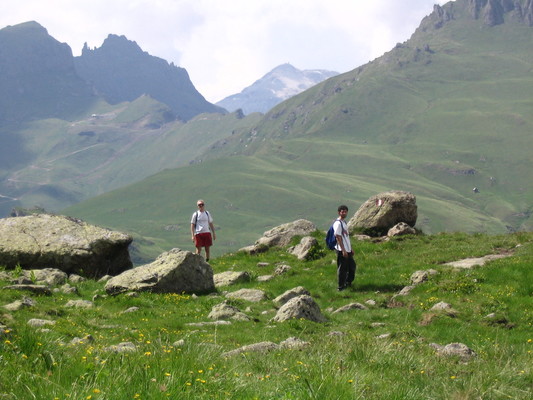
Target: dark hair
x,y
342,207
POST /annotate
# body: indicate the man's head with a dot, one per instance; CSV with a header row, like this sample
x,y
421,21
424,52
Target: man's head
x,y
200,203
343,211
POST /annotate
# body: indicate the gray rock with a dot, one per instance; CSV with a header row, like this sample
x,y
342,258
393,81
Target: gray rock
x,y
37,289
289,294
46,276
381,212
79,304
226,311
300,307
26,302
419,277
282,269
79,341
124,347
469,263
281,236
228,278
441,306
37,323
303,250
74,278
401,229
68,289
406,290
175,271
50,241
454,349
253,295
264,278
294,343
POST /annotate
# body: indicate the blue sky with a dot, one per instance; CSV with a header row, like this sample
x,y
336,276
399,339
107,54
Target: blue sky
x,y
226,45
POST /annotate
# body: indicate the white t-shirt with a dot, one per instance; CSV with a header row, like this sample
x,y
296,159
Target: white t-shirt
x,y
202,220
340,228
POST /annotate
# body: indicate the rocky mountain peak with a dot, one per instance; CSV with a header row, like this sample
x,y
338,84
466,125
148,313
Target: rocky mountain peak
x,y
38,76
116,46
283,82
120,71
490,12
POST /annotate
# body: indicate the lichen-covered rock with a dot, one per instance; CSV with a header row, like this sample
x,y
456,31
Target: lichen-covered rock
x,y
281,236
175,271
228,278
253,295
304,249
70,245
301,307
289,294
381,212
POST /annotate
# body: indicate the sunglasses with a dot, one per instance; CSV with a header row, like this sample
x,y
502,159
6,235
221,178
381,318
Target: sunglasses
x,y
200,205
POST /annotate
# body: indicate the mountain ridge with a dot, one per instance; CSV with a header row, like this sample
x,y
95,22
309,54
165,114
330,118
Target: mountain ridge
x,y
283,82
121,71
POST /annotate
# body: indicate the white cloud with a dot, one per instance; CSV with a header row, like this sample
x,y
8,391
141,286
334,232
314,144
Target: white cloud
x,y
225,45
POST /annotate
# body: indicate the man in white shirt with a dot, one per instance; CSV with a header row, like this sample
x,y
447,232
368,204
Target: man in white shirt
x,y
202,229
345,261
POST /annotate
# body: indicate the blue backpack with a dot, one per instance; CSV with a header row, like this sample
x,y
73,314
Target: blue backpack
x,y
331,240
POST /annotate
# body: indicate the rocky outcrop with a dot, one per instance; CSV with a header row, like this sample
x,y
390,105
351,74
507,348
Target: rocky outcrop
x,y
175,271
383,211
38,78
281,235
70,245
489,12
121,71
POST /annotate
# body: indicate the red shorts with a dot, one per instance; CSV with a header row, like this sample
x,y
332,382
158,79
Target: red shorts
x,y
203,240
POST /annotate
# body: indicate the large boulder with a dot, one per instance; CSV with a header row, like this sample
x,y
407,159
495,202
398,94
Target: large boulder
x,y
68,244
383,211
175,271
281,235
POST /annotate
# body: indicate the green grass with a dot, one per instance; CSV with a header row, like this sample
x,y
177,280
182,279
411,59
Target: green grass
x,y
356,364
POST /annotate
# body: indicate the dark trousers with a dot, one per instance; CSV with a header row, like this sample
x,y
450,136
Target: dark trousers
x,y
345,269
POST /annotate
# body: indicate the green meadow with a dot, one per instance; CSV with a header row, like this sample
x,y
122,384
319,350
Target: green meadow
x,y
382,352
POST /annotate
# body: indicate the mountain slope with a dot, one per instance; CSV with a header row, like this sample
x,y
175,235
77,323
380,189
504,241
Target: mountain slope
x,y
38,77
439,115
121,71
278,85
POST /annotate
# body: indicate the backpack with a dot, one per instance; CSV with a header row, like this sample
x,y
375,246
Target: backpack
x,y
331,240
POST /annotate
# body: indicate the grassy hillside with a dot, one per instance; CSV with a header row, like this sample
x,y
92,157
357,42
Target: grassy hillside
x,y
66,162
381,352
444,113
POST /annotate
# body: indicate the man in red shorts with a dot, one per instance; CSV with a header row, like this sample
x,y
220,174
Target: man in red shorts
x,y
202,229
